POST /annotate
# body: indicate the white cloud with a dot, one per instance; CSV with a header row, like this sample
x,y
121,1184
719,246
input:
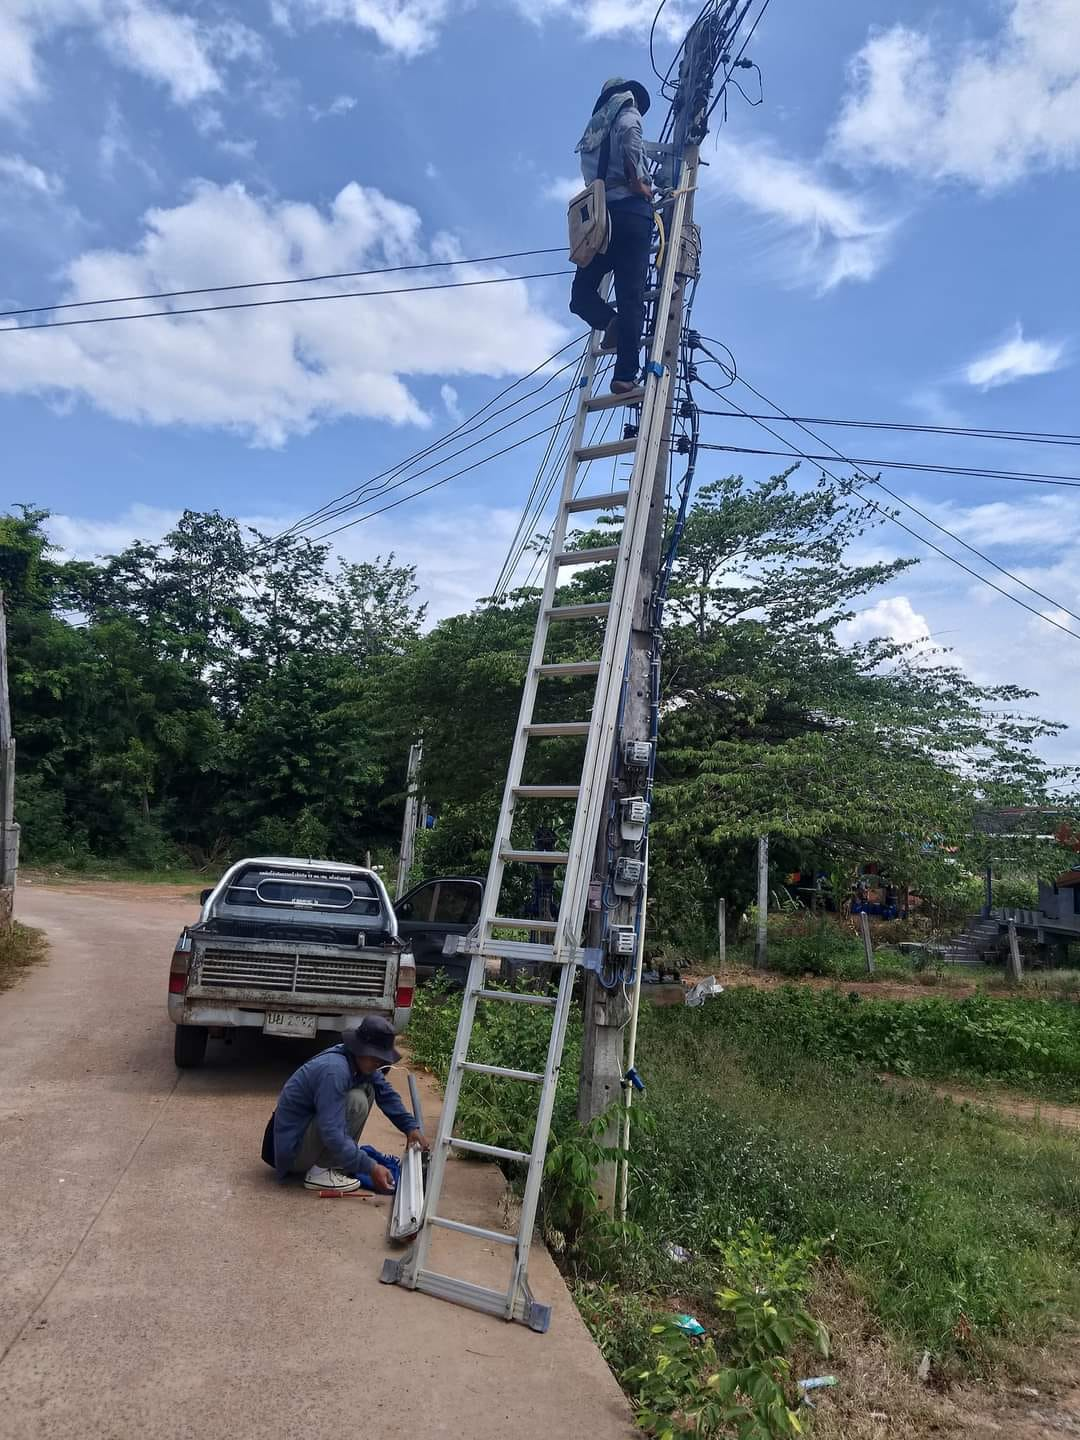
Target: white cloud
x,y
185,54
563,189
894,617
339,106
1015,359
449,397
238,149
828,234
1044,522
271,373
15,170
410,27
982,111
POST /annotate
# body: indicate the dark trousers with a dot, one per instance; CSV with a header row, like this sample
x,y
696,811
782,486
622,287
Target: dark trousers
x,y
628,256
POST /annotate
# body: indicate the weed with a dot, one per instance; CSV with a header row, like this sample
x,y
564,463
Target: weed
x,y
20,947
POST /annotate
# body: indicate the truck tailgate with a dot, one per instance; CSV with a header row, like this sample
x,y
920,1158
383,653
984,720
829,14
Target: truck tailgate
x,y
301,976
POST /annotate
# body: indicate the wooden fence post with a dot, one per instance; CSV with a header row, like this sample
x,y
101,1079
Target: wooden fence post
x,y
721,928
1016,965
867,940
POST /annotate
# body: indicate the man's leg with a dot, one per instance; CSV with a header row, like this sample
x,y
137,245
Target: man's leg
x,y
312,1150
629,251
585,299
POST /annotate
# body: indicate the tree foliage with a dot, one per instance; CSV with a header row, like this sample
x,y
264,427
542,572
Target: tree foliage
x,y
221,691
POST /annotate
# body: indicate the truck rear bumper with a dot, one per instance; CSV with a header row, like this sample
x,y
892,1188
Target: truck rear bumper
x,y
204,1012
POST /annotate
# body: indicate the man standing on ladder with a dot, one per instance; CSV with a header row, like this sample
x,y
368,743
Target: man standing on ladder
x,y
611,150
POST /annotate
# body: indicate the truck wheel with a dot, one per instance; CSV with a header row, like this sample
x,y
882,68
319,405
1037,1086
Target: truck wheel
x,y
189,1047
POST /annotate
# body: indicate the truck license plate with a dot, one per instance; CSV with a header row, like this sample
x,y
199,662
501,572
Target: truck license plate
x,y
287,1022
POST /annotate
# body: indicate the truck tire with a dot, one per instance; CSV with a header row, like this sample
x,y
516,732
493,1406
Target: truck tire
x,y
189,1046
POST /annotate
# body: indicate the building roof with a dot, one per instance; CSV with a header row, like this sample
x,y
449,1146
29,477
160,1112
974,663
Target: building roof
x,y
1071,877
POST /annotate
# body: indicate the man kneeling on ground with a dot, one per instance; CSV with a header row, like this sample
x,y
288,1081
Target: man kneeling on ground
x,y
323,1108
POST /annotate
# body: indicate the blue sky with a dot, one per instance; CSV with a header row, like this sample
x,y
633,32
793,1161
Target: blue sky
x,y
891,235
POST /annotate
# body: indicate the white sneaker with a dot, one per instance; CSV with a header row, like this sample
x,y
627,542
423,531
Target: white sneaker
x,y
319,1179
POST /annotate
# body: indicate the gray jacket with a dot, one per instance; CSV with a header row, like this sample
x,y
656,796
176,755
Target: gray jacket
x,y
626,146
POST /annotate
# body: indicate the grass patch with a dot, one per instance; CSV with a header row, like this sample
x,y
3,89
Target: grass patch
x,y
103,872
1031,1044
953,1231
20,948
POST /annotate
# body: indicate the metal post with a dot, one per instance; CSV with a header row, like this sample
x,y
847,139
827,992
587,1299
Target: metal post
x,y
761,944
606,1012
868,944
407,852
9,831
721,928
988,903
631,1050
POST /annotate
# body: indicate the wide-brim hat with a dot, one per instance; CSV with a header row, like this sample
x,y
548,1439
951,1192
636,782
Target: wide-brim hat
x,y
616,83
374,1037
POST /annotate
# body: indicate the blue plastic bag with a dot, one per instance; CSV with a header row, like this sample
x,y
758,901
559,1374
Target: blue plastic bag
x,y
394,1166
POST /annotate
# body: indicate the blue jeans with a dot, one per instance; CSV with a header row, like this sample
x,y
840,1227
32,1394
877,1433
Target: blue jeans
x,y
628,256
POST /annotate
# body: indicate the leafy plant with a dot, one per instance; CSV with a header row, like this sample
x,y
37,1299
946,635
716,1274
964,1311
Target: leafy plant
x,y
687,1390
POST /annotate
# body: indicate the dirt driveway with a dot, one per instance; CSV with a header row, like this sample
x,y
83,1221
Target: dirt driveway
x,y
156,1282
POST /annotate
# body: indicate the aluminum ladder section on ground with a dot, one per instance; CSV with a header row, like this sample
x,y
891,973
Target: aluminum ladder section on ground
x,y
589,789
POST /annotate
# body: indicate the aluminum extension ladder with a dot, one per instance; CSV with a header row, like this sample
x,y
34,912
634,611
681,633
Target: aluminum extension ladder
x,y
590,792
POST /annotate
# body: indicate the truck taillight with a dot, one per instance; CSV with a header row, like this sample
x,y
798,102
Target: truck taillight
x,y
177,983
403,997
180,966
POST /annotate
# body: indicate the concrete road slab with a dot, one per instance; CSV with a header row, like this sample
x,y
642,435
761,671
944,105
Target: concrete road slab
x,y
155,1281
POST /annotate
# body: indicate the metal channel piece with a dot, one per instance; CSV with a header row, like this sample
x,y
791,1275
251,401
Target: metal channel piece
x,y
497,1152
474,1068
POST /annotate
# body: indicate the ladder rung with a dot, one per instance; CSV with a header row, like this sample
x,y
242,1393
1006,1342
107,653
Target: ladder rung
x,y
506,922
612,402
569,667
516,997
588,557
596,610
606,450
534,857
610,500
474,1068
547,792
497,1152
550,731
500,1237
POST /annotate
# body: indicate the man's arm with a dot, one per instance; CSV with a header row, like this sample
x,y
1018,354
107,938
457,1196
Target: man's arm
x,y
390,1103
634,155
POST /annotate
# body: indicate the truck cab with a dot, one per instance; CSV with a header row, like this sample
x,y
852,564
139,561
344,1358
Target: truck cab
x,y
292,947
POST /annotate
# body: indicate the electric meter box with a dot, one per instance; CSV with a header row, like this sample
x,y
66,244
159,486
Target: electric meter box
x,y
637,754
633,817
622,940
628,876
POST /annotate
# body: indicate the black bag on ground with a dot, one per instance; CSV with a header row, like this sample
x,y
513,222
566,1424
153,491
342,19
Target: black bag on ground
x,y
268,1143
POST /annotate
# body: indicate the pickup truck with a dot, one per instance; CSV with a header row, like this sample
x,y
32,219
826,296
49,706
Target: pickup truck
x,y
293,947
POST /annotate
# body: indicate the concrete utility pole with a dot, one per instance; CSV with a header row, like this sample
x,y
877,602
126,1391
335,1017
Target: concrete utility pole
x,y
607,1011
407,853
761,943
9,831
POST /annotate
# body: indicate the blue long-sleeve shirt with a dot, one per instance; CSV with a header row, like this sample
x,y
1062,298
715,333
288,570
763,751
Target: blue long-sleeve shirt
x,y
317,1092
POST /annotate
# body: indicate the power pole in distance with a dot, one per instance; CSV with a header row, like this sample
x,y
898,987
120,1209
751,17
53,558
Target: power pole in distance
x,y
9,831
407,853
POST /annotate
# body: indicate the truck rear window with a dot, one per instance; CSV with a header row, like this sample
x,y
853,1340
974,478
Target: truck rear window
x,y
277,889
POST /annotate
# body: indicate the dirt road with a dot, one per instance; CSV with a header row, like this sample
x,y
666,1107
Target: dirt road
x,y
155,1281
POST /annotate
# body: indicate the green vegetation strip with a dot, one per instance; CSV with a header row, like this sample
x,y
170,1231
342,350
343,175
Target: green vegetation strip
x,y
961,1233
20,947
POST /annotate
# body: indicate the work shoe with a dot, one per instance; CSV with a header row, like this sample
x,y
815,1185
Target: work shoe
x,y
319,1179
624,387
610,342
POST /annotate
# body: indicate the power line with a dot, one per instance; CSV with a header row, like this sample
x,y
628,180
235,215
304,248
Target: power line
x,y
445,480
868,479
286,300
367,491
295,280
1025,477
1029,437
